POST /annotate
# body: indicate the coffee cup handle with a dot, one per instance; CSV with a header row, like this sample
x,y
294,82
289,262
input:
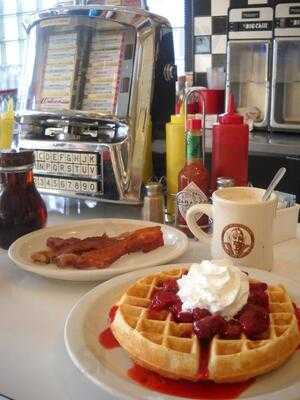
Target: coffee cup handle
x,y
192,224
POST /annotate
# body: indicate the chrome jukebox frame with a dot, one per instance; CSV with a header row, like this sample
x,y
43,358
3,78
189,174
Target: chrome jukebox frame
x,y
128,154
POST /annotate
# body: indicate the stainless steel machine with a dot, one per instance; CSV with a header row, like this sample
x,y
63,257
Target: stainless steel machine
x,y
285,108
249,53
98,85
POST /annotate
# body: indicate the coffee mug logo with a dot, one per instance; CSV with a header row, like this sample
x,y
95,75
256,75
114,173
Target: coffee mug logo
x,y
237,240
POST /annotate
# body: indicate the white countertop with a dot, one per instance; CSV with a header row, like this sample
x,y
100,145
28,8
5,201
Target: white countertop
x,y
34,364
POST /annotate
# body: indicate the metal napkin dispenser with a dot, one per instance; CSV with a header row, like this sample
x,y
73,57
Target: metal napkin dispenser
x,y
285,103
98,84
250,33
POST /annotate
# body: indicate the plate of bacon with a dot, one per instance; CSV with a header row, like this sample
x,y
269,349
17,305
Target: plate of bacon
x,y
97,249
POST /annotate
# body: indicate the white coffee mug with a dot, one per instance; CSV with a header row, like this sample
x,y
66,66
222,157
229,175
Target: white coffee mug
x,y
242,226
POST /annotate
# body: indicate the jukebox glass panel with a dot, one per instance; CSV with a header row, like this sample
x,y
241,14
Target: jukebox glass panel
x,y
80,63
248,71
287,81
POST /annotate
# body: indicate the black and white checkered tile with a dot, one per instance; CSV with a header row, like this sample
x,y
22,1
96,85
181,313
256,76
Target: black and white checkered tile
x,y
210,19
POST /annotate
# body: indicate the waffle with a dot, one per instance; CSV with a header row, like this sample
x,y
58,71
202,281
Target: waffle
x,y
171,349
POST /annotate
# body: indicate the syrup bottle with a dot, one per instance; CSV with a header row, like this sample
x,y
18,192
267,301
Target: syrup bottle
x,y
22,210
230,144
193,179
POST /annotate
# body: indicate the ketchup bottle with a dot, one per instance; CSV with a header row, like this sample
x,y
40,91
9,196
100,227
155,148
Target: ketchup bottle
x,y
230,143
193,179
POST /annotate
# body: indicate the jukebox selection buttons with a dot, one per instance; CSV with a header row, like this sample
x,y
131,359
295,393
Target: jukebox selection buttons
x,y
69,164
70,172
67,185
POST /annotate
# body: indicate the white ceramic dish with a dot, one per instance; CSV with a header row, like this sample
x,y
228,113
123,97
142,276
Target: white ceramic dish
x,y
108,368
20,251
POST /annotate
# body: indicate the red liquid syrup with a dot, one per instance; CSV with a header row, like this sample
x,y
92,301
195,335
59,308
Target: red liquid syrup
x,y
193,390
203,368
297,313
201,390
106,337
112,314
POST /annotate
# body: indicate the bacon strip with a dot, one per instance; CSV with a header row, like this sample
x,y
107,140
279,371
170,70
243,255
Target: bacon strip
x,y
79,246
100,251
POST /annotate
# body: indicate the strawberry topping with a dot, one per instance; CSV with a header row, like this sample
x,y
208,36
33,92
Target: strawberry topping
x,y
253,320
200,313
171,285
232,330
258,295
163,299
208,327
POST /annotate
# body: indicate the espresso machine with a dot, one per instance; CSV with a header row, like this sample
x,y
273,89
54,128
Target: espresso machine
x,y
97,87
249,53
285,105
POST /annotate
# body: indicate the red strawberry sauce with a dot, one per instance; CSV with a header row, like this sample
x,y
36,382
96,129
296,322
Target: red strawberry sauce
x,y
203,367
112,314
297,313
203,389
193,390
106,337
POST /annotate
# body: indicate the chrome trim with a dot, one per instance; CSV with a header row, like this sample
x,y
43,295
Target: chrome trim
x,y
91,197
127,156
113,13
92,147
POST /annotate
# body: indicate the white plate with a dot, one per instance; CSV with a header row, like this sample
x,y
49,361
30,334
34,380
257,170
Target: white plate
x,y
108,368
20,251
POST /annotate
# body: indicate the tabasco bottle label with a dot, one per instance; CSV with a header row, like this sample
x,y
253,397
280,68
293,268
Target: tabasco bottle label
x,y
188,197
194,147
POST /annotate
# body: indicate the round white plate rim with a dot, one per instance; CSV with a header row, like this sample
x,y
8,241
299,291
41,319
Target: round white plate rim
x,y
289,393
93,274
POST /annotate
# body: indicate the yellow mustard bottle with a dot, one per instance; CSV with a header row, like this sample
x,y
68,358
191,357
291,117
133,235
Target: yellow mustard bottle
x,y
175,158
7,126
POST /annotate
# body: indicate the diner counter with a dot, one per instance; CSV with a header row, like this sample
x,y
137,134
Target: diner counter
x,y
34,364
276,144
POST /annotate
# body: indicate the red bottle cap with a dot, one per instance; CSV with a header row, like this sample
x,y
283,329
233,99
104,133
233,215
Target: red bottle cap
x,y
231,117
194,124
193,107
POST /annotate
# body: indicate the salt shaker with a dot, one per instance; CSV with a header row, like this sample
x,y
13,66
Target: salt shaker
x,y
154,203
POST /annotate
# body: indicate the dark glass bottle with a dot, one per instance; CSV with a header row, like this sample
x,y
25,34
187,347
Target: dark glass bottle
x,y
22,210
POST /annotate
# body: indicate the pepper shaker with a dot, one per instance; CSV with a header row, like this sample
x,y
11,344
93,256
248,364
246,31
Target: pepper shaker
x,y
154,203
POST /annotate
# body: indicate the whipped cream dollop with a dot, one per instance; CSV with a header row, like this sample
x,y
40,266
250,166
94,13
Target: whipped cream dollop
x,y
216,285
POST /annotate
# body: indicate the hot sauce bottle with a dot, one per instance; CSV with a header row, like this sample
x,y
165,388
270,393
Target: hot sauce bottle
x,y
22,210
230,143
193,179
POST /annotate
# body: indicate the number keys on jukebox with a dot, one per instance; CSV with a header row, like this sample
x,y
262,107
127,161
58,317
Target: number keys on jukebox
x,y
67,185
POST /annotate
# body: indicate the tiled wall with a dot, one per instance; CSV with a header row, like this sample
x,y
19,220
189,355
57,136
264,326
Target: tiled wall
x,y
209,36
